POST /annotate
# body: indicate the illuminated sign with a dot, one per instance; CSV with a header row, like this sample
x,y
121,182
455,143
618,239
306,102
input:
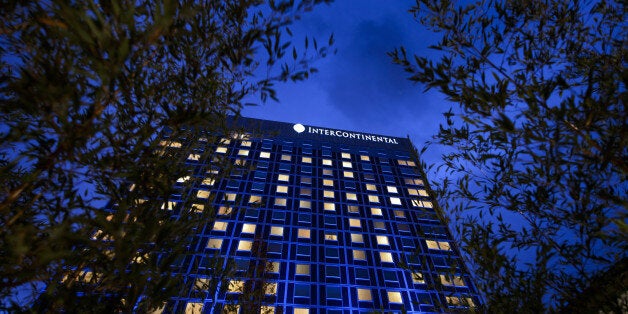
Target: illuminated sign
x,y
299,128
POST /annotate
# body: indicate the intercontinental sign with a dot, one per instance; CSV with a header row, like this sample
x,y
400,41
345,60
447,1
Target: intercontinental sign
x,y
300,128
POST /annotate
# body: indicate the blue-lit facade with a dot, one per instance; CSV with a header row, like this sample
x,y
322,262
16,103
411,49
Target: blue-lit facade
x,y
335,221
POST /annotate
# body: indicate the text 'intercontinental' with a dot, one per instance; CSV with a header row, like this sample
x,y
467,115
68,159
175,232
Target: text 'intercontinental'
x,y
351,135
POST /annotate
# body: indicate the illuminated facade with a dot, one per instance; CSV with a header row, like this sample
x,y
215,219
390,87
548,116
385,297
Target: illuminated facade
x,y
328,218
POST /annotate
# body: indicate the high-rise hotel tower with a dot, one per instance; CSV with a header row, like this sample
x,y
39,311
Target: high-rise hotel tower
x,y
334,221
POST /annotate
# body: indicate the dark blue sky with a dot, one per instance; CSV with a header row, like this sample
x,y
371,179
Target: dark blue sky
x,y
359,88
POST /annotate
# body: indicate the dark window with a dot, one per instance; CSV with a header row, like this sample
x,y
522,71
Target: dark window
x,y
306,169
279,216
284,167
307,218
274,247
361,273
303,250
258,186
333,292
331,252
302,290
390,275
332,271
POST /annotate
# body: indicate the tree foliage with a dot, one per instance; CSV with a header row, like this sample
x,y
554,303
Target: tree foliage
x,y
536,167
86,88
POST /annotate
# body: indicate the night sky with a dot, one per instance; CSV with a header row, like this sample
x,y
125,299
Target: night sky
x,y
359,88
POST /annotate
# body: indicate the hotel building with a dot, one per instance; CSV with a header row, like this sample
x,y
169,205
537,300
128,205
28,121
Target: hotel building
x,y
325,221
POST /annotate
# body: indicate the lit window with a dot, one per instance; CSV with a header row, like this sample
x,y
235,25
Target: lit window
x,y
346,156
371,187
359,255
438,245
298,310
400,214
273,267
422,192
459,301
285,157
331,236
243,152
353,209
305,191
364,158
413,192
194,308
170,144
379,225
198,208
348,174
248,228
224,210
264,154
202,194
303,269
386,257
194,157
305,204
346,164
267,309
170,204
280,202
357,238
236,285
391,189
394,297
220,225
328,182
180,180
225,141
327,162
328,194
410,181
306,160
283,177
231,197
352,197
395,201
328,172
282,189
450,280
208,181
417,278
221,149
245,245
245,144
276,230
270,289
427,204
382,240
201,284
364,295
373,199
255,199
304,233
214,243
376,211
354,223
329,206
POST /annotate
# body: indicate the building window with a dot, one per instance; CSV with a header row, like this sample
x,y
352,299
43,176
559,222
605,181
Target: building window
x,y
245,245
298,310
280,202
194,157
394,297
391,189
359,255
352,197
285,157
220,225
328,172
332,271
451,280
353,209
273,267
361,273
255,199
283,177
375,211
438,245
243,152
245,143
382,240
386,257
203,194
364,295
224,210
302,290
304,233
459,301
379,225
270,289
412,181
328,194
326,162
248,228
303,269
331,236
221,150
364,158
395,201
329,206
193,308
306,180
282,189
264,155
417,278
371,187
348,174
333,292
373,198
357,238
306,160
346,155
214,244
400,214
305,204
346,164
276,231
328,182
354,223
230,197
